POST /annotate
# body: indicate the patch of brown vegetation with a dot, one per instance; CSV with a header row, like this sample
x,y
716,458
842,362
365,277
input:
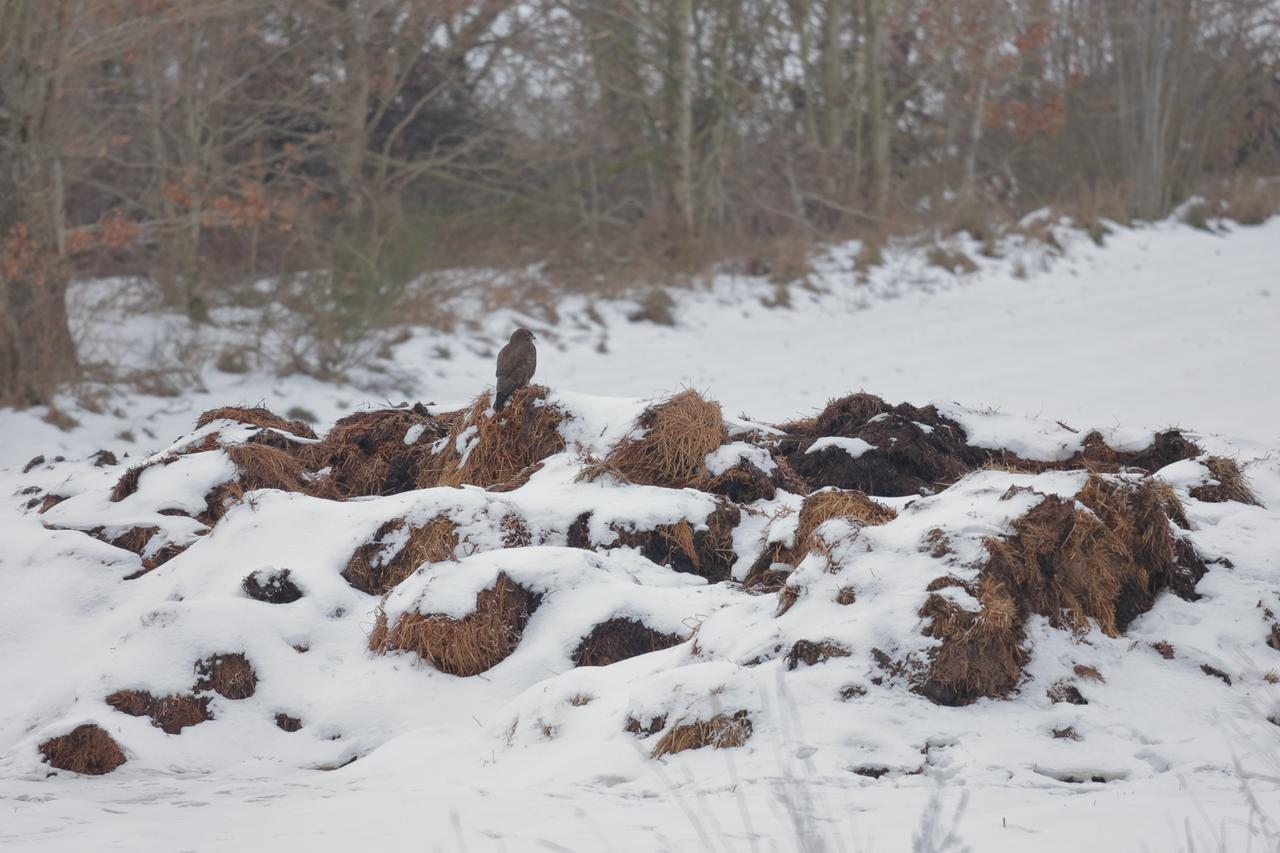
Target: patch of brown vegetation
x,y
373,570
723,731
86,749
366,453
271,587
1068,733
134,539
916,450
982,651
1063,691
287,723
1229,484
705,550
818,508
256,416
128,482
229,675
635,727
670,446
49,502
1088,673
1099,559
466,646
486,448
1216,673
171,714
812,653
515,533
619,639
261,466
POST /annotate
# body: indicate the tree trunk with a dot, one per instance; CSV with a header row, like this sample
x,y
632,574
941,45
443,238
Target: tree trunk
x,y
36,350
877,112
680,122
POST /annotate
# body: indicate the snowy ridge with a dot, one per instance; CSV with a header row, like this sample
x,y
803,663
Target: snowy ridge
x,y
824,666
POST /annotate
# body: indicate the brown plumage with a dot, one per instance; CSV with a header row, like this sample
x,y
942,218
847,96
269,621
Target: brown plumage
x,y
516,363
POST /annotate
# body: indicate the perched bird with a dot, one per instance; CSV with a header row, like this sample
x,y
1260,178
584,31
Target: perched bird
x,y
516,363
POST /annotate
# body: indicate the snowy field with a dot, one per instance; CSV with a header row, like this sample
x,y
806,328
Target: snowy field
x,y
1162,326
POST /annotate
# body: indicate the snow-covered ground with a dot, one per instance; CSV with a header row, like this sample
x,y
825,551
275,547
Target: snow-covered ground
x,y
1164,325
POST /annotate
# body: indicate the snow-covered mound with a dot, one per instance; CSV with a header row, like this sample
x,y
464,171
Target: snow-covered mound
x,y
589,583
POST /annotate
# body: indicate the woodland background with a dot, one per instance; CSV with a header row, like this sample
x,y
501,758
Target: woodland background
x,y
352,145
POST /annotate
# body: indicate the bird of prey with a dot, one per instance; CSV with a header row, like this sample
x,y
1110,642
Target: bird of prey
x,y
516,363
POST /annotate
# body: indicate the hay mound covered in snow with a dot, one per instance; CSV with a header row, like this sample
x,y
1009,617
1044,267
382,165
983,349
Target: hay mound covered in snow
x,y
849,506
681,442
86,749
378,452
397,549
670,443
1098,559
496,449
861,442
723,731
170,714
702,548
619,639
467,646
616,568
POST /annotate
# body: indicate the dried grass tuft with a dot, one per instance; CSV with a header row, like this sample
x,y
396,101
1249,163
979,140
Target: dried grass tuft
x,y
86,749
171,714
619,639
1230,484
375,570
671,445
229,675
915,450
818,508
128,482
1098,560
515,532
812,653
260,466
467,646
982,651
723,731
256,416
486,448
366,453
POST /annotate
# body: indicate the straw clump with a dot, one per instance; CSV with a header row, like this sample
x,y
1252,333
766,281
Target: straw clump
x,y
256,416
86,749
379,452
171,714
669,446
912,450
618,639
723,731
467,646
392,555
486,448
705,549
818,508
229,675
1229,484
1100,559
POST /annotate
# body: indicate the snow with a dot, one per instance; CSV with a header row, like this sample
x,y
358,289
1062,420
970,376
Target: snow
x,y
1163,325
855,447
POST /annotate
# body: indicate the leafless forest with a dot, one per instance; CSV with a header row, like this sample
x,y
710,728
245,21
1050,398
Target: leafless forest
x,y
207,145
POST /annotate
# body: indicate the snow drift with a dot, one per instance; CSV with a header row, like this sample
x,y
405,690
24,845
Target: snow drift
x,y
608,571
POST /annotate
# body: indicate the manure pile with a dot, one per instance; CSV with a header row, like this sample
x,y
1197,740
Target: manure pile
x,y
873,556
